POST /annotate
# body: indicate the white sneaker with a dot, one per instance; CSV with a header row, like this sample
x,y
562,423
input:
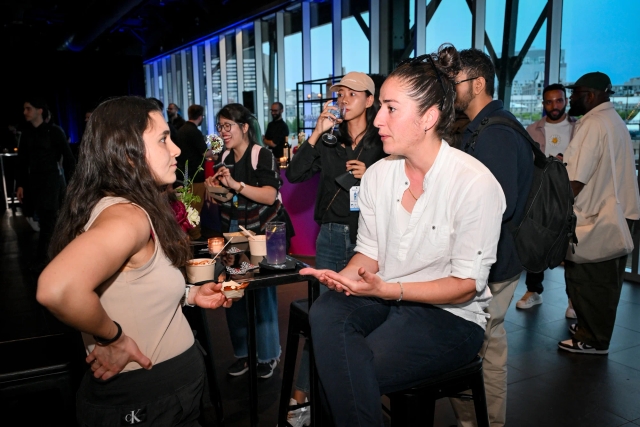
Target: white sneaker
x,y
33,223
299,417
529,299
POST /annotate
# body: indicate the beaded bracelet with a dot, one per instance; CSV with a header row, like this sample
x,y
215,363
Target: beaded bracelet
x,y
401,292
103,341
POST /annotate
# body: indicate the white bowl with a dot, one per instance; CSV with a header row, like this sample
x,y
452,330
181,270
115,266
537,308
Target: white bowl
x,y
258,245
233,290
236,236
200,270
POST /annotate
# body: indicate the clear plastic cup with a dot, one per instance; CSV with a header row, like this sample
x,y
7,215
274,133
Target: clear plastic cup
x,y
276,234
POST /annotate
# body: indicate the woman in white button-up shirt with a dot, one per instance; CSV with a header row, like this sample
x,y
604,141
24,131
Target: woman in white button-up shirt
x,y
409,305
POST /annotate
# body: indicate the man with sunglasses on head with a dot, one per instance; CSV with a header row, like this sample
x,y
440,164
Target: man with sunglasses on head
x,y
508,156
277,131
602,171
553,132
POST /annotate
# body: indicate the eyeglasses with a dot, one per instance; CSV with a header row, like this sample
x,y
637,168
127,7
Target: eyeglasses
x,y
225,126
465,80
419,60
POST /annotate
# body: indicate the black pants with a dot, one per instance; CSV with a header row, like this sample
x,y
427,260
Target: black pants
x,y
166,395
594,289
534,282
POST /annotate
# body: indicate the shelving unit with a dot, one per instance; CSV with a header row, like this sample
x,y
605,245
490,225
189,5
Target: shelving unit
x,y
307,94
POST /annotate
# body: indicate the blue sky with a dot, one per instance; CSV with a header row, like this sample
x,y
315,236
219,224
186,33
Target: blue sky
x,y
597,35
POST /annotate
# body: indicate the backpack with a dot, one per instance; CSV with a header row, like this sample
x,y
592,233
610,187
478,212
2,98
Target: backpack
x,y
255,154
549,223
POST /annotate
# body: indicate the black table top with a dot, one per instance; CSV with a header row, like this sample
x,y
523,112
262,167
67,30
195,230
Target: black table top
x,y
233,266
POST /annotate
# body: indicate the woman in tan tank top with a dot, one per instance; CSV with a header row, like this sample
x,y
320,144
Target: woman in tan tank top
x,y
115,276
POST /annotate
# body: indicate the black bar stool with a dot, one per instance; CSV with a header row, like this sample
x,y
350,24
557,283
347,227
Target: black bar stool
x,y
298,325
415,406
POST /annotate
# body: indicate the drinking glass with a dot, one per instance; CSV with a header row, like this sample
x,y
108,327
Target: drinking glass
x,y
276,234
338,111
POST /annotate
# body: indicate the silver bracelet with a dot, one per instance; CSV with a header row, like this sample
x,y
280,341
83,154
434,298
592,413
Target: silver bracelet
x,y
401,292
184,301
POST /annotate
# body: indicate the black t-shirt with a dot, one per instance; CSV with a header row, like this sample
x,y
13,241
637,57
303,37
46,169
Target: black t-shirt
x,y
277,131
332,201
250,214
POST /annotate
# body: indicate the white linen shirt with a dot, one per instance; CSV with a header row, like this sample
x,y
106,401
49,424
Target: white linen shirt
x,y
589,162
453,230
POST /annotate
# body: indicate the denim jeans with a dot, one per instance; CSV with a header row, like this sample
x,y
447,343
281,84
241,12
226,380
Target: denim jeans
x,y
267,333
333,247
366,347
333,251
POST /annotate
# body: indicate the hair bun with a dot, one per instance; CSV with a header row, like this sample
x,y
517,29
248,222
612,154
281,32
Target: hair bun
x,y
448,60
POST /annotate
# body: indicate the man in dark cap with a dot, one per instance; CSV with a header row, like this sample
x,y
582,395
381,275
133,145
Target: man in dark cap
x,y
601,168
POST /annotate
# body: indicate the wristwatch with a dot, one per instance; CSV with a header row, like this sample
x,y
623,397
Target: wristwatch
x,y
242,185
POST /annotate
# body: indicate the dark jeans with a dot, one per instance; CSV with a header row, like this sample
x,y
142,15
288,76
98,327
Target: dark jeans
x,y
333,251
594,289
366,347
534,282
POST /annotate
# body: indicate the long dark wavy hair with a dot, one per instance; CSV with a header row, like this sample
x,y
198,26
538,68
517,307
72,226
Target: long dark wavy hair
x,y
370,136
429,81
112,162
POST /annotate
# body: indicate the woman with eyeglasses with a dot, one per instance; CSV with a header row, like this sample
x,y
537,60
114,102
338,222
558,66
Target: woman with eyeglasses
x,y
409,304
254,203
341,167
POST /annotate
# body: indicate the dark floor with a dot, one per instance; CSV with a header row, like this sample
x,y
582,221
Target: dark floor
x,y
546,387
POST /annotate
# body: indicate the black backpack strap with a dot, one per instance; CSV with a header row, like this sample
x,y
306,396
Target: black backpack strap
x,y
540,158
471,143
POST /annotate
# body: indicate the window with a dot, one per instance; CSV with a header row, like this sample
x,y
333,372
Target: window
x,y
600,46
232,68
439,26
292,64
321,41
355,36
525,102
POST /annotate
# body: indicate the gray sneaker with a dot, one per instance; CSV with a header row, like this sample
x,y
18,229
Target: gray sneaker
x,y
579,347
239,367
529,299
265,370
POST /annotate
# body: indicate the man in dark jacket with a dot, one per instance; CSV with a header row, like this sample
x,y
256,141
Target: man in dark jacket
x,y
42,145
192,146
508,156
173,112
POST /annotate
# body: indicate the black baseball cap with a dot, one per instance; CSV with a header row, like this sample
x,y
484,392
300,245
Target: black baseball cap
x,y
595,80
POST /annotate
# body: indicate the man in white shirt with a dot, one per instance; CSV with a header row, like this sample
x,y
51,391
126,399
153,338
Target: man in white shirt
x,y
601,144
553,132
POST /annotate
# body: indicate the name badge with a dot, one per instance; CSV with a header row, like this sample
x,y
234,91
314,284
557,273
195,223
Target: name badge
x,y
353,198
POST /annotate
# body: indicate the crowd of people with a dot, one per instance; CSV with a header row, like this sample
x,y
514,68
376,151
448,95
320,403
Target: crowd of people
x,y
415,209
